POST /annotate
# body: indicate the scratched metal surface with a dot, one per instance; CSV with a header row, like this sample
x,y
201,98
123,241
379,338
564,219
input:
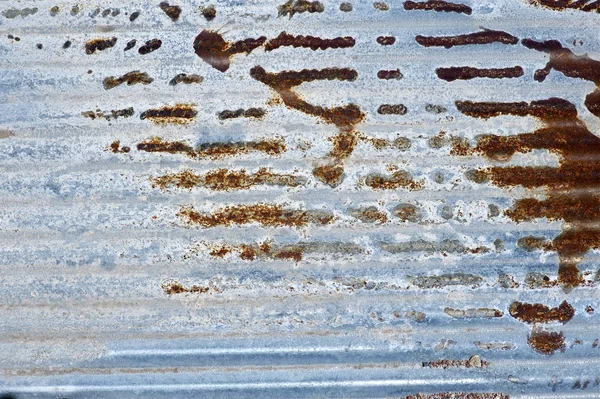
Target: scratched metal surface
x,y
124,273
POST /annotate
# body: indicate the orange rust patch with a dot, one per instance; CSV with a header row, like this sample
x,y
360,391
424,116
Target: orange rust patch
x,y
546,342
568,196
224,179
177,114
538,313
397,180
267,215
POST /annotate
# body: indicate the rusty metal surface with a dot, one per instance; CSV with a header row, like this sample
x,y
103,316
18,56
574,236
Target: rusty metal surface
x,y
300,199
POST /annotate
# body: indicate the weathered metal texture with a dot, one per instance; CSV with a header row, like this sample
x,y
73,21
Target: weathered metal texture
x,y
301,199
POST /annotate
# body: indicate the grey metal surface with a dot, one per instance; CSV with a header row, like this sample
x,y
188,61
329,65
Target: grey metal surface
x,y
114,283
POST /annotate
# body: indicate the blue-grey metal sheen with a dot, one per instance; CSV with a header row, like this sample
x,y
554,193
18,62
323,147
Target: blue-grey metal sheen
x,y
300,199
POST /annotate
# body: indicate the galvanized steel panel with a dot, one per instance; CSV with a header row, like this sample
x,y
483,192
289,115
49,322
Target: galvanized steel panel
x,y
301,199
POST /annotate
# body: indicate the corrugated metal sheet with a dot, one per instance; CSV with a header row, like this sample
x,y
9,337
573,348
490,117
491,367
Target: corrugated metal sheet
x,y
301,199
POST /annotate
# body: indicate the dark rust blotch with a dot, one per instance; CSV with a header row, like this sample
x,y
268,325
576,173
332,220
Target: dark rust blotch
x,y
392,109
150,46
487,36
292,7
246,113
284,39
186,79
215,51
130,44
561,5
209,12
539,313
465,73
179,113
99,44
386,40
172,12
389,74
437,5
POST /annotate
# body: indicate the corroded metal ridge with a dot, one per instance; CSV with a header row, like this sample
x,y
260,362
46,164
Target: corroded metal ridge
x,y
299,199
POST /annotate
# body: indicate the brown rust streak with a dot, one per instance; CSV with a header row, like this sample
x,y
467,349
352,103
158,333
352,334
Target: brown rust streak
x,y
99,44
487,36
397,180
343,117
262,250
546,342
179,114
265,214
437,5
217,150
574,66
225,180
131,78
175,287
473,362
538,313
246,113
460,395
561,5
314,43
156,144
568,187
465,73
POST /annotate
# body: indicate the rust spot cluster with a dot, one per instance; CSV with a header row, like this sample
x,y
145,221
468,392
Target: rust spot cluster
x,y
131,78
438,6
568,187
398,179
473,362
226,180
109,115
264,214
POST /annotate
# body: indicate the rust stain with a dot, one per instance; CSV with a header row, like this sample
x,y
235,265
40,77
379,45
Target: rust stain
x,y
369,214
563,133
131,78
156,144
292,7
314,43
150,46
386,40
186,79
460,395
473,362
209,12
561,5
487,36
262,250
473,313
404,179
172,12
109,115
381,6
491,346
574,66
344,117
532,243
174,287
134,15
538,313
115,147
546,342
99,44
387,74
215,51
264,214
226,180
392,109
246,113
177,114
465,73
217,150
130,44
438,5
